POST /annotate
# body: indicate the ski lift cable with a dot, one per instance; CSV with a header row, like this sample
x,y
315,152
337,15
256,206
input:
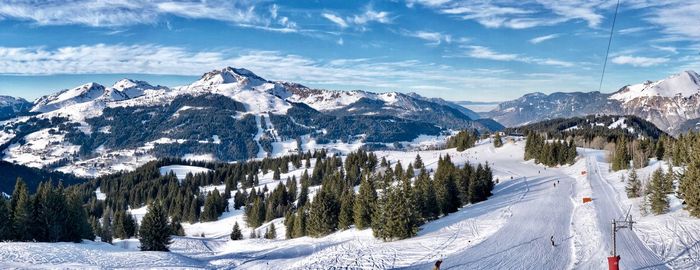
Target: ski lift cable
x,y
607,52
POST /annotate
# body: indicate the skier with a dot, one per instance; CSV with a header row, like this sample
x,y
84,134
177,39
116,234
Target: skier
x,y
551,239
437,264
555,184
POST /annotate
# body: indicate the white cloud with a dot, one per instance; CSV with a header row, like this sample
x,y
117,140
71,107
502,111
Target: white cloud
x,y
633,30
639,61
370,15
543,38
670,49
520,14
481,52
678,19
433,38
359,21
104,13
336,19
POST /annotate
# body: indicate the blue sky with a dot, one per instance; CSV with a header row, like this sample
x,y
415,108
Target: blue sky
x,y
457,50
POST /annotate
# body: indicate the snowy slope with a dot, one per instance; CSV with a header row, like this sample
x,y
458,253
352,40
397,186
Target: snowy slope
x,y
510,230
258,94
685,84
181,171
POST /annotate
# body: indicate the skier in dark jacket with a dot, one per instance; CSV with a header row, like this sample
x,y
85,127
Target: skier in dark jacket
x,y
437,264
551,239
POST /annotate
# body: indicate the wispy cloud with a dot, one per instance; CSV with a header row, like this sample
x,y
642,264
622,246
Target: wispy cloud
x,y
481,52
371,15
336,19
669,49
634,30
639,61
678,19
133,12
433,38
360,20
520,14
543,38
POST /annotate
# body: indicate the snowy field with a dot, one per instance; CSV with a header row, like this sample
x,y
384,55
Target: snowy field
x,y
511,230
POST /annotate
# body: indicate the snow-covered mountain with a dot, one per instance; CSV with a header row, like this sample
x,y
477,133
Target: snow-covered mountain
x,y
134,88
685,84
227,114
668,103
11,106
81,94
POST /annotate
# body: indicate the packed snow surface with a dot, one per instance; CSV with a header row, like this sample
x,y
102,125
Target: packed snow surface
x,y
181,171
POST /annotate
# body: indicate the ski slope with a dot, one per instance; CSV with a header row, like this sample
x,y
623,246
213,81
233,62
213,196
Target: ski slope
x,y
635,255
511,230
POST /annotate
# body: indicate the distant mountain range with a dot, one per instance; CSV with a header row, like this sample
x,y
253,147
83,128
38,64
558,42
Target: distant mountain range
x,y
672,104
228,114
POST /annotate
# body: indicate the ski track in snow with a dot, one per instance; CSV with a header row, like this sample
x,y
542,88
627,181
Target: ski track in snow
x,y
634,254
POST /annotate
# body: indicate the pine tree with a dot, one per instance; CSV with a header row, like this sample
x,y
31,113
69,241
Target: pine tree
x,y
363,207
22,212
289,224
5,220
634,186
276,174
194,211
401,221
660,149
106,229
238,200
210,211
445,186
303,194
621,156
236,232
497,141
418,163
78,227
426,200
119,225
689,187
176,228
669,178
130,226
155,230
379,217
345,218
300,223
657,196
271,232
323,216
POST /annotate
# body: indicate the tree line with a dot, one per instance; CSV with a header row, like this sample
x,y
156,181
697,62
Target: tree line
x,y
549,153
393,202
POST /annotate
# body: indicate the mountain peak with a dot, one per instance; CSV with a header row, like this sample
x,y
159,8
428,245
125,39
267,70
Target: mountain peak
x,y
129,83
86,92
228,75
684,84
